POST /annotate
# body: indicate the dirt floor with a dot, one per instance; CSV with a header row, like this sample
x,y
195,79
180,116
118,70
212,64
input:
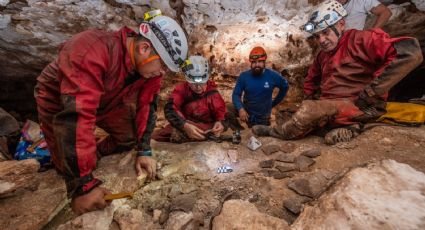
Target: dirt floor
x,y
189,180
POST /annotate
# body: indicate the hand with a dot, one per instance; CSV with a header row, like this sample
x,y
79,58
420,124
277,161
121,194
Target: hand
x,y
243,115
217,128
149,164
193,132
91,201
365,102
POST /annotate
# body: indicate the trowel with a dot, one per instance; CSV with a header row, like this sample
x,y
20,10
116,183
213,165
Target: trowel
x,y
120,195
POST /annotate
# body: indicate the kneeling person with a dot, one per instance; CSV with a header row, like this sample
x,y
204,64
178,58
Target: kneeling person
x,y
195,109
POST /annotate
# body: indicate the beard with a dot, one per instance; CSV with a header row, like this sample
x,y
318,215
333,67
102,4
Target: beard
x,y
257,71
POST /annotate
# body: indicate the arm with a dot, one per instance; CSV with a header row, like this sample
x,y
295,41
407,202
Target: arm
x,y
81,87
145,123
283,89
172,109
383,15
146,112
237,93
218,107
313,78
219,110
396,57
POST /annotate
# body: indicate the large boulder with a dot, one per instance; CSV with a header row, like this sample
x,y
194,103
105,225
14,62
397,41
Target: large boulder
x,y
17,176
42,196
384,195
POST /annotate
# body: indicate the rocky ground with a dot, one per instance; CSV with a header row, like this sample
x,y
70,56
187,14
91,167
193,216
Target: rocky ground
x,y
269,188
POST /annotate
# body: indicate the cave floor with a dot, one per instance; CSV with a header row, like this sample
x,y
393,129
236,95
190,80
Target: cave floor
x,y
189,181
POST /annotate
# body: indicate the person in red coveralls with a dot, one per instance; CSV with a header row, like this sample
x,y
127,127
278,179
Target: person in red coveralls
x,y
108,79
349,80
195,109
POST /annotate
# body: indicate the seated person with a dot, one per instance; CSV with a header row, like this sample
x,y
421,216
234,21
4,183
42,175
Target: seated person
x,y
195,109
349,80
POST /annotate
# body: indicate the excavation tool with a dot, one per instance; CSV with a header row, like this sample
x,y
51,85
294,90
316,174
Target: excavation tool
x,y
121,195
235,138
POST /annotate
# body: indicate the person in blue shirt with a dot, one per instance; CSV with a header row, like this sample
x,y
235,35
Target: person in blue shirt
x,y
252,96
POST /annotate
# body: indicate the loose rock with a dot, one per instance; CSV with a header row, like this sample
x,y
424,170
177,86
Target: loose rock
x,y
184,202
8,124
312,153
280,175
132,219
284,157
304,163
179,220
286,167
287,147
267,163
295,204
270,149
310,185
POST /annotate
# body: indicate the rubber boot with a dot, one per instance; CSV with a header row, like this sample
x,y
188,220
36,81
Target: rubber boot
x,y
344,134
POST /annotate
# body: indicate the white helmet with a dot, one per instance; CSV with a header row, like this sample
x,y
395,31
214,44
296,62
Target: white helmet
x,y
167,37
196,69
325,15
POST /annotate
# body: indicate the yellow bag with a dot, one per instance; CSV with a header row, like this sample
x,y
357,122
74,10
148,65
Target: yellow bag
x,y
404,113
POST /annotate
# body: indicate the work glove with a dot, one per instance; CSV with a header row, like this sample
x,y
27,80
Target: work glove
x,y
371,105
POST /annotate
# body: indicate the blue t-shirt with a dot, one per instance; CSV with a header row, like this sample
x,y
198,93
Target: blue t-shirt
x,y
257,92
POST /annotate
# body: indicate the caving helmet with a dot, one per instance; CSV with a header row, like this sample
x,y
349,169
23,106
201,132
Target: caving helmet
x,y
196,69
167,37
257,54
325,15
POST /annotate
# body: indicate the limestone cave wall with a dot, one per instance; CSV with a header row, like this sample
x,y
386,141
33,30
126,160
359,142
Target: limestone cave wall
x,y
223,31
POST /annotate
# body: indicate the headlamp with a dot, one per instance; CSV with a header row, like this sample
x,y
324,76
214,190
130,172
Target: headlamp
x,y
151,14
309,27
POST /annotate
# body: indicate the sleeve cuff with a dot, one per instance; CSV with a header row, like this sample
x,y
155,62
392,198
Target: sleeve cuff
x,y
144,153
81,186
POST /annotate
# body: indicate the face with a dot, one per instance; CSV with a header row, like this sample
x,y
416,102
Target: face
x,y
257,67
147,62
198,88
327,38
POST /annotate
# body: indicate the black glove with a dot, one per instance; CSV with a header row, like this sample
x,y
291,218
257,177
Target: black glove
x,y
371,105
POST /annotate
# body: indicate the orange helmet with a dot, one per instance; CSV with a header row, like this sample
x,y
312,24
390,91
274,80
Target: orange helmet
x,y
257,54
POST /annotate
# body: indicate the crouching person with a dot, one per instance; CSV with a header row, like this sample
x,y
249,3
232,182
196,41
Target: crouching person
x,y
195,108
348,83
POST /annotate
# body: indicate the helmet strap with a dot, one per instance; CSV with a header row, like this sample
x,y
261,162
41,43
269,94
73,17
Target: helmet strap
x,y
335,31
147,60
133,62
